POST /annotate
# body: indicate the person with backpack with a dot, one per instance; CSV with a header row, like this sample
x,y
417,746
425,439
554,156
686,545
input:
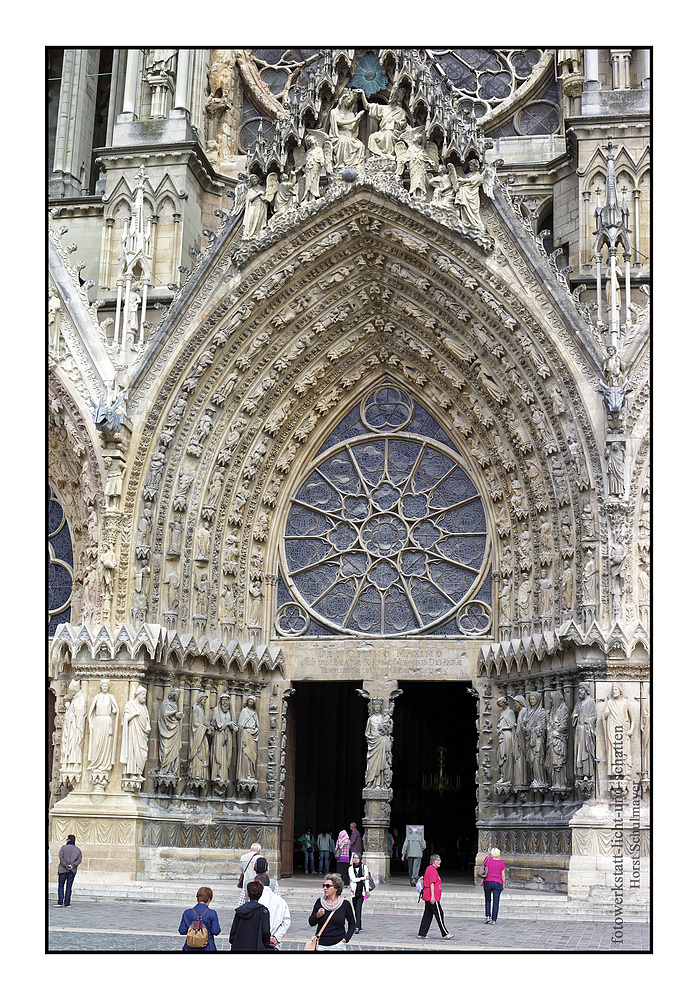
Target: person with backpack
x,y
325,845
200,923
260,867
307,842
432,899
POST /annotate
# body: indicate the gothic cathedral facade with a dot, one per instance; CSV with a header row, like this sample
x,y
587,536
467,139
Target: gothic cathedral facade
x,y
348,484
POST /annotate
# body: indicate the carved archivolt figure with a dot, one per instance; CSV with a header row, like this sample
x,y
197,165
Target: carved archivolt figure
x,y
248,724
73,726
102,722
378,740
615,457
589,579
135,728
584,725
535,729
506,728
618,720
223,742
199,749
170,732
558,728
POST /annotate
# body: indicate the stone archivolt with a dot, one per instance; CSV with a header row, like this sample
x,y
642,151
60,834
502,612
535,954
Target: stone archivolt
x,y
284,356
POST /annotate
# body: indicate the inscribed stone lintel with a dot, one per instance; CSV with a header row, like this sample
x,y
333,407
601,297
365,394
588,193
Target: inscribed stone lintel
x,y
377,663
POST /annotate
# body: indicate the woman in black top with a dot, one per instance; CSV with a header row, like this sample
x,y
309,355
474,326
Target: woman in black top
x,y
333,916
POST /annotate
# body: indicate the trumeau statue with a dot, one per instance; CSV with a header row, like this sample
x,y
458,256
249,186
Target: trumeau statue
x,y
135,728
73,728
102,722
248,724
379,742
584,726
618,720
170,733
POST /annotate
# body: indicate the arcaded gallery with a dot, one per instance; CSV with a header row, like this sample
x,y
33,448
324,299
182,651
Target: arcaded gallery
x,y
348,445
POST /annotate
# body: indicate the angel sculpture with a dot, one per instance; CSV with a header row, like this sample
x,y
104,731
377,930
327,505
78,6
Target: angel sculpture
x,y
257,202
286,196
467,189
411,153
317,158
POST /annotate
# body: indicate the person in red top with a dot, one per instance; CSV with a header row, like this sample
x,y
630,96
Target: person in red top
x,y
432,899
493,883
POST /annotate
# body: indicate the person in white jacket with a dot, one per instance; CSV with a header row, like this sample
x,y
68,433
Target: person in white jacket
x,y
358,883
279,913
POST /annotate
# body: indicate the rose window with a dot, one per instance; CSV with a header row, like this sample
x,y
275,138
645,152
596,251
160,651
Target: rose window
x,y
387,533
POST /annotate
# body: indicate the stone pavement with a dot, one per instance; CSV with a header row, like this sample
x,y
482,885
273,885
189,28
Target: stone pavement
x,y
145,918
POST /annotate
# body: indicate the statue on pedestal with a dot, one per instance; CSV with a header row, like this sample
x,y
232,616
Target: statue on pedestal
x,y
170,732
535,730
248,724
102,722
199,748
558,729
135,729
506,728
73,734
619,725
584,725
223,743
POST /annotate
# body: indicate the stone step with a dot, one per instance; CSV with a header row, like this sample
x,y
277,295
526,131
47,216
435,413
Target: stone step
x,y
300,895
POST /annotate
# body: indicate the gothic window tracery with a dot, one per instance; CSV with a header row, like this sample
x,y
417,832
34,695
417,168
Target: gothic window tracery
x,y
60,564
386,534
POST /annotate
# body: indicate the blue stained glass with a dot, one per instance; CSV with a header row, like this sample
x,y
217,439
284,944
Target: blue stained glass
x,y
63,546
341,471
305,553
306,522
385,496
318,493
60,586
468,551
424,424
371,461
316,581
60,563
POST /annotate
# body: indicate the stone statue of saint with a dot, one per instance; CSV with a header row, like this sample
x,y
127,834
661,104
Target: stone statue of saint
x,y
248,724
131,324
618,721
314,165
506,728
170,732
584,725
645,731
256,207
347,148
135,728
201,729
467,194
558,729
535,731
102,722
73,727
521,776
392,117
378,740
223,742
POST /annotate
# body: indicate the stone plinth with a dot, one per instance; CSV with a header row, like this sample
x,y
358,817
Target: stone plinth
x,y
610,850
376,823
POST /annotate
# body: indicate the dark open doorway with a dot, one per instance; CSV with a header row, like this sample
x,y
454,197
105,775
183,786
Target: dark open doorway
x,y
435,744
328,720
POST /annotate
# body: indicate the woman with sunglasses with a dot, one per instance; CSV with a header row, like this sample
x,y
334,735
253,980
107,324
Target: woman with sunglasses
x,y
333,916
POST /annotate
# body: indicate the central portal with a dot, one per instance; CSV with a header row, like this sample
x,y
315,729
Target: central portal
x,y
434,765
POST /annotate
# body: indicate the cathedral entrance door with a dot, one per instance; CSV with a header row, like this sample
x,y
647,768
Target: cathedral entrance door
x,y
434,763
325,763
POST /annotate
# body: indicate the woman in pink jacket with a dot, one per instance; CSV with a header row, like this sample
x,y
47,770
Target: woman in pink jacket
x,y
493,883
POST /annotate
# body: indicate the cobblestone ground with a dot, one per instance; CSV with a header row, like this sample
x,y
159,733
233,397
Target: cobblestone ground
x,y
109,926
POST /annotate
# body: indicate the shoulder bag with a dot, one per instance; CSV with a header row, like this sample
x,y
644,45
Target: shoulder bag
x,y
371,882
315,939
241,880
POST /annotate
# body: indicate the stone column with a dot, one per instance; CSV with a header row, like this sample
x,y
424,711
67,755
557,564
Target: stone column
x,y
620,68
591,69
128,113
378,792
75,126
646,69
180,108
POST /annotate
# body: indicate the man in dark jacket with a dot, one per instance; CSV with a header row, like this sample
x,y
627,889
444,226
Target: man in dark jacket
x,y
69,857
251,930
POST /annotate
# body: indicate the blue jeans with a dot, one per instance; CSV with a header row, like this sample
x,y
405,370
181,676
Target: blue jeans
x,y
65,882
324,862
492,889
311,855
